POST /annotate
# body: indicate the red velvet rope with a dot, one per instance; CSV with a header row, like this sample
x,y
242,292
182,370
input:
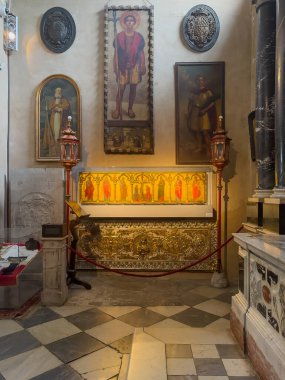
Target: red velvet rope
x,y
153,275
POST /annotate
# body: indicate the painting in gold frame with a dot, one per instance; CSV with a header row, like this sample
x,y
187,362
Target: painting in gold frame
x,y
135,188
57,97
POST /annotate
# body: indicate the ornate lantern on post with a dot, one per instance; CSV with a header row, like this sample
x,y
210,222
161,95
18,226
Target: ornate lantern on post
x,y
69,146
220,149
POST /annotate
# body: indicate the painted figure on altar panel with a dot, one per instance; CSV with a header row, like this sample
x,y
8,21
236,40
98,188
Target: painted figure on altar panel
x,y
136,196
148,195
106,189
123,189
196,188
160,190
178,189
89,189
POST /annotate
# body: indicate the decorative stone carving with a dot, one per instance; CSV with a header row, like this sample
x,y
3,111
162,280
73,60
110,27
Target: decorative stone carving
x,y
36,197
200,28
57,29
34,210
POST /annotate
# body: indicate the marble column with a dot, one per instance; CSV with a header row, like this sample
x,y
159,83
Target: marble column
x,y
265,96
279,190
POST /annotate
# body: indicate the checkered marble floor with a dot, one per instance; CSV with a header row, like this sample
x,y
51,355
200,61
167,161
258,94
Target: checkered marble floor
x,y
84,341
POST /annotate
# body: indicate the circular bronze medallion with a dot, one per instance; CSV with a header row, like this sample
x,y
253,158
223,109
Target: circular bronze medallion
x,y
57,29
200,28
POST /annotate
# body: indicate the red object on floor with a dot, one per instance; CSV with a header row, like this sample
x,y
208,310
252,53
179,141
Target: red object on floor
x,y
11,279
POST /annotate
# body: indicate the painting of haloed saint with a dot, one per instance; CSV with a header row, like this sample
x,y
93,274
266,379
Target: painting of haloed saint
x,y
57,98
128,114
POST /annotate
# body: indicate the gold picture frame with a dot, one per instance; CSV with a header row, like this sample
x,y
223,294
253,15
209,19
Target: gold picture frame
x,y
57,97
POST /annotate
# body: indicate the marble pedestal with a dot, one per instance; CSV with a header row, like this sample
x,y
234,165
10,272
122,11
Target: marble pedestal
x,y
274,215
258,311
254,211
55,290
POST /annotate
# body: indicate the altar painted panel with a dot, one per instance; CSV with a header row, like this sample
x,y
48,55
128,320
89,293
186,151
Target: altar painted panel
x,y
132,187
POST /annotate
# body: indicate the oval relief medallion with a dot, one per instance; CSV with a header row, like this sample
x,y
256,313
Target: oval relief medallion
x,y
57,29
200,28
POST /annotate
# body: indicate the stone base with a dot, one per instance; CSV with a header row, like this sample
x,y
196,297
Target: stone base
x,y
273,215
264,348
219,280
278,193
237,317
262,193
54,298
55,290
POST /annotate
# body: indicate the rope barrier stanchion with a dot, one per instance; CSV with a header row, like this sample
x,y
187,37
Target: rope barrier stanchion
x,y
91,261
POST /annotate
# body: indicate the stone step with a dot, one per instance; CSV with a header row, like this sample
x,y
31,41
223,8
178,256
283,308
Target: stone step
x,y
147,359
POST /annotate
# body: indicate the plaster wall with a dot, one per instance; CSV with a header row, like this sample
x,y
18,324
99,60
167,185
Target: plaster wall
x,y
84,62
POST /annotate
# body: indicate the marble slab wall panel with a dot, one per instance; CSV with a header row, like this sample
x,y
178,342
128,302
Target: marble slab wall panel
x,y
36,198
267,293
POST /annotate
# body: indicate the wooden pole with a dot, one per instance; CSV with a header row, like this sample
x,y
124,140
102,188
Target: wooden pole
x,y
219,220
67,195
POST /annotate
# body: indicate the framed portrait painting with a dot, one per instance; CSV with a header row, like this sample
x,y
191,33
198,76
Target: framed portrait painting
x,y
199,101
57,97
128,114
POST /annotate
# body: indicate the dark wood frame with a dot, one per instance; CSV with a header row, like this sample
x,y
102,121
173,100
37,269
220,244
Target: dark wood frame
x,y
191,126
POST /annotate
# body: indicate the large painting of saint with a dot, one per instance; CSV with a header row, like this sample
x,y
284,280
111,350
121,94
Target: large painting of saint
x,y
199,101
128,80
57,98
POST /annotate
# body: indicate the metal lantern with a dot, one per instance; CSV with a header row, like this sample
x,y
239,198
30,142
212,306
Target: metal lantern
x,y
10,32
220,146
69,146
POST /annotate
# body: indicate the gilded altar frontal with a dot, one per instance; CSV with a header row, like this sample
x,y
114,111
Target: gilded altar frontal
x,y
135,187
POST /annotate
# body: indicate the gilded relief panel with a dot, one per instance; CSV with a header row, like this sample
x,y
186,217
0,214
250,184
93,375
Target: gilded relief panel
x,y
143,187
152,245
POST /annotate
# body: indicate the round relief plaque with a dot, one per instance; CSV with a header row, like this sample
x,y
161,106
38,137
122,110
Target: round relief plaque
x,y
200,28
57,29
